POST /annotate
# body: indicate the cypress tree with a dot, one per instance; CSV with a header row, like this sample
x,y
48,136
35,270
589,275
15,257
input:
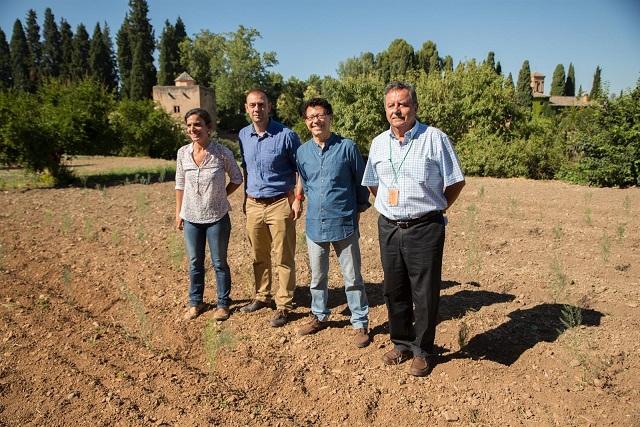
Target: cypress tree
x,y
498,69
180,34
35,47
51,47
168,53
142,42
491,60
66,49
570,84
596,86
101,60
124,57
524,94
427,57
447,64
19,55
111,72
80,58
6,80
558,82
510,81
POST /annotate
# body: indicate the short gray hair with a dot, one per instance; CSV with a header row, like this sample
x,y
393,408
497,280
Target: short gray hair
x,y
402,86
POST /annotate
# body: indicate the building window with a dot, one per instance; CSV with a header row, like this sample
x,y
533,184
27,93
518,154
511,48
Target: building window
x,y
176,108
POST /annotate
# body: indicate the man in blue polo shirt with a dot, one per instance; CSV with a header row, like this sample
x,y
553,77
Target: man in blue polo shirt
x,y
415,175
331,169
269,162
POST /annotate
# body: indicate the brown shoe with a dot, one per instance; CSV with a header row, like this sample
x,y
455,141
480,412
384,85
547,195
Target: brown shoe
x,y
395,357
280,318
361,337
420,366
254,306
221,313
312,326
195,311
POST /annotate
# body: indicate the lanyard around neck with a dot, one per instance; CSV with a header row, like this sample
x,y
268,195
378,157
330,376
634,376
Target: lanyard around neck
x,y
393,167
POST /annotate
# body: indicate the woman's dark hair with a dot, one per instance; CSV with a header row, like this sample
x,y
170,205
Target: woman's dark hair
x,y
316,102
200,112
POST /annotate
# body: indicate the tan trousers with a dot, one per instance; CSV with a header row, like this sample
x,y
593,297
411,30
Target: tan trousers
x,y
270,226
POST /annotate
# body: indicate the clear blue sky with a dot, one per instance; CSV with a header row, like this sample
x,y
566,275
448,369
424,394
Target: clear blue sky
x,y
312,37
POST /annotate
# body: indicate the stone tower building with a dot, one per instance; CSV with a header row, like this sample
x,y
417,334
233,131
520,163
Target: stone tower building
x,y
185,95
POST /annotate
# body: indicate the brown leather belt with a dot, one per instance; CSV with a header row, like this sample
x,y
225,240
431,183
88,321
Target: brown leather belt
x,y
267,200
406,223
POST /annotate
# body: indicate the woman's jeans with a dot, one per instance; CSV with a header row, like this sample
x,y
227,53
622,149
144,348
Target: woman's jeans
x,y
217,235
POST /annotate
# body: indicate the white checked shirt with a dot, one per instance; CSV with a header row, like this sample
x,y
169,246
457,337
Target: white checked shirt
x,y
429,167
205,197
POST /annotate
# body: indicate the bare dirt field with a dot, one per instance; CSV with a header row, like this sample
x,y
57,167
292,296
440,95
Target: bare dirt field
x,y
94,282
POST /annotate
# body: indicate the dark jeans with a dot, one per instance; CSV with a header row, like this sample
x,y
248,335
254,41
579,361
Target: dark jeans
x,y
195,237
412,264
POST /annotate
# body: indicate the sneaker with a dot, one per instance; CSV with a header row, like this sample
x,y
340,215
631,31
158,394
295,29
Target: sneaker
x,y
395,357
221,313
254,306
420,366
312,326
194,311
280,318
361,337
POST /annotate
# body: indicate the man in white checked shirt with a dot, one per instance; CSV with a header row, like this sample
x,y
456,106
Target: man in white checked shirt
x,y
415,176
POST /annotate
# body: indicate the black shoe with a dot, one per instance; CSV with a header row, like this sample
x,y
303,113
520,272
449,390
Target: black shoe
x,y
254,306
280,318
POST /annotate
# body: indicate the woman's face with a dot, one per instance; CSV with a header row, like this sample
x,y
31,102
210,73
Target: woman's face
x,y
197,129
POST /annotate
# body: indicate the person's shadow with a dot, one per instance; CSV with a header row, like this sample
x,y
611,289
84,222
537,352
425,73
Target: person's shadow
x,y
507,342
457,305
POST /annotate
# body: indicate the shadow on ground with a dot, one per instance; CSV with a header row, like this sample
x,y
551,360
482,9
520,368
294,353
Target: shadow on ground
x,y
526,328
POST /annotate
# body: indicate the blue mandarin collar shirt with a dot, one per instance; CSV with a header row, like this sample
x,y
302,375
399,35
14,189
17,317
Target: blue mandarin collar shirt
x,y
331,178
270,159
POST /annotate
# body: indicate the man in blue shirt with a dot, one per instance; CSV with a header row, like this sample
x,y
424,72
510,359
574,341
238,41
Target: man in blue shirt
x,y
331,169
269,162
415,175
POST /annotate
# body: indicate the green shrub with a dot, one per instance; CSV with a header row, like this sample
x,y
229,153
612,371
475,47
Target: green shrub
x,y
145,130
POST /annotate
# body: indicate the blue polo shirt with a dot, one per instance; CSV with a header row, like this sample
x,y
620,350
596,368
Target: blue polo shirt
x,y
270,159
331,178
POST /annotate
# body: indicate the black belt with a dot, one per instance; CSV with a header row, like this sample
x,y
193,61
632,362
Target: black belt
x,y
406,223
267,200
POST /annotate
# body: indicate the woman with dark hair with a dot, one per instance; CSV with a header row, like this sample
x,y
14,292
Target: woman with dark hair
x,y
202,209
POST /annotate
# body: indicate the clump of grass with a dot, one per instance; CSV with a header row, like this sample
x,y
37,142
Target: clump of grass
x,y
116,239
570,316
140,232
605,246
513,206
557,232
66,224
162,175
136,305
463,334
558,280
43,302
176,250
142,204
89,230
626,204
481,192
587,216
620,230
214,338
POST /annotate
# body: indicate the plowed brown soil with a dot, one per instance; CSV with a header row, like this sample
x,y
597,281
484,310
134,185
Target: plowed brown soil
x,y
94,282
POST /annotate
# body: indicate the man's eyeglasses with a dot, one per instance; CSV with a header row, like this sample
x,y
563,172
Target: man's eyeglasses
x,y
316,116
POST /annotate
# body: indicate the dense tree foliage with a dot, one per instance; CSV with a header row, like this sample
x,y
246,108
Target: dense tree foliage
x,y
101,58
596,86
80,57
19,58
524,94
570,83
558,81
34,59
51,46
6,78
169,61
66,50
